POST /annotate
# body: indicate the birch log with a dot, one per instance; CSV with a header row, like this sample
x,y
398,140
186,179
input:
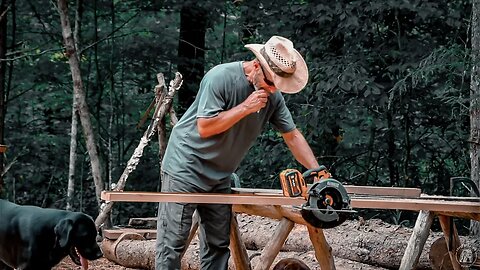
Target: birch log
x,y
161,109
417,240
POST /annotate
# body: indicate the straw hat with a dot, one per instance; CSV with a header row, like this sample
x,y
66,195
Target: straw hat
x,y
284,65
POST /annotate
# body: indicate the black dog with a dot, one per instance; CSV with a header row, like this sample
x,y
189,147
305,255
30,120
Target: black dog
x,y
291,264
38,238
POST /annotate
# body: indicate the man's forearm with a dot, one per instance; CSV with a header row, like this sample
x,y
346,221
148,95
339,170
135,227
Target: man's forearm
x,y
223,121
300,149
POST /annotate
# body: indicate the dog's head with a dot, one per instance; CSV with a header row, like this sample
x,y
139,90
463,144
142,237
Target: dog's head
x,y
291,264
77,234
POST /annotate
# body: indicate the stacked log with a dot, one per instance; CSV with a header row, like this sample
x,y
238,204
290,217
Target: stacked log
x,y
373,242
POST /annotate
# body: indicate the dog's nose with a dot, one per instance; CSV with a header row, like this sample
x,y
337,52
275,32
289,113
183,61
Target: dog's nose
x,y
99,252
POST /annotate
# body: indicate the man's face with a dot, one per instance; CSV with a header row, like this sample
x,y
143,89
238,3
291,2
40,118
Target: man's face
x,y
261,81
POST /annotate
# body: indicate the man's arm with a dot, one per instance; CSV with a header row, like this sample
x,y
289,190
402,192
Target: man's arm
x,y
225,120
300,149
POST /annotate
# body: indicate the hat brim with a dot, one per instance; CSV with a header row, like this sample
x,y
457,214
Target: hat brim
x,y
289,85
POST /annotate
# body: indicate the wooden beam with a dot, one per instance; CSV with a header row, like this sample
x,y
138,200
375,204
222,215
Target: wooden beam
x,y
452,206
450,198
211,198
384,191
417,240
416,205
352,190
271,250
237,247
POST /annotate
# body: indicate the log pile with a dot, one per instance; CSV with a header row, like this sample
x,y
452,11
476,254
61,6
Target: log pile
x,y
373,243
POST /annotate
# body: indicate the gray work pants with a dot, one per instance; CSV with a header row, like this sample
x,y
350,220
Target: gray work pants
x,y
174,223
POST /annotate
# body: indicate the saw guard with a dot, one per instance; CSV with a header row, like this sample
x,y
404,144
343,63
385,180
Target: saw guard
x,y
328,204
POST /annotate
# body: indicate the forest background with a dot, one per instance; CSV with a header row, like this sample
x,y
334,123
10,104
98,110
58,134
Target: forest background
x,y
388,102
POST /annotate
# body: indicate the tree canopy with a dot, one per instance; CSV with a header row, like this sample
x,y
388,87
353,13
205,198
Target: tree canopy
x,y
387,103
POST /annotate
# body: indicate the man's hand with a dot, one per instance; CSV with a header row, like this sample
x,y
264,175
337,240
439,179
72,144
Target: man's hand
x,y
215,125
223,121
256,101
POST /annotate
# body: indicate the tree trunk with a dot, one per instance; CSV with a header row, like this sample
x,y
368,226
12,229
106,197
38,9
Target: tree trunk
x,y
191,50
73,156
391,149
79,93
372,243
163,140
140,254
475,107
6,93
74,127
3,72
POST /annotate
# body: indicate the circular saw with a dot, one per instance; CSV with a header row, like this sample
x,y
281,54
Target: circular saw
x,y
328,203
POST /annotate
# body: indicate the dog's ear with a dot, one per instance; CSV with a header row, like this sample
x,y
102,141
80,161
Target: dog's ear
x,y
63,230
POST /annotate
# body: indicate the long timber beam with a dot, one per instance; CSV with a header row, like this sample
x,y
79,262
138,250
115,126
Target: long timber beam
x,y
373,202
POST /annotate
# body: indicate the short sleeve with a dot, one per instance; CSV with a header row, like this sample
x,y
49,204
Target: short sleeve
x,y
211,98
282,118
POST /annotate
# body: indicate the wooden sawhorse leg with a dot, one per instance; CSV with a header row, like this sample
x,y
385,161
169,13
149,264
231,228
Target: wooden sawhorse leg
x,y
417,240
451,237
237,247
271,250
323,251
420,235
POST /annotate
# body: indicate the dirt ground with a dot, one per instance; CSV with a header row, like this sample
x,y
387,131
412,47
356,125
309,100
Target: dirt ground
x,y
100,264
104,264
262,227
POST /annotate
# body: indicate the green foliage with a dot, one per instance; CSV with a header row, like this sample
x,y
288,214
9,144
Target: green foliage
x,y
370,62
386,104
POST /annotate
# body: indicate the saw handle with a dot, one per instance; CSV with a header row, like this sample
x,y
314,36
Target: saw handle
x,y
317,174
293,184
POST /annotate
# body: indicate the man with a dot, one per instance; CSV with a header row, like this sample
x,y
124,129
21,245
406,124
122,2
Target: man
x,y
234,103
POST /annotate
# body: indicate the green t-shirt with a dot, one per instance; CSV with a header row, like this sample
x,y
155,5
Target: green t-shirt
x,y
204,162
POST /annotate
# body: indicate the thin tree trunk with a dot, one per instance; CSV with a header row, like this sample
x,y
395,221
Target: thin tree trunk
x,y
80,97
112,91
74,128
108,222
407,148
391,149
371,143
73,156
99,78
13,46
3,72
162,141
475,107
